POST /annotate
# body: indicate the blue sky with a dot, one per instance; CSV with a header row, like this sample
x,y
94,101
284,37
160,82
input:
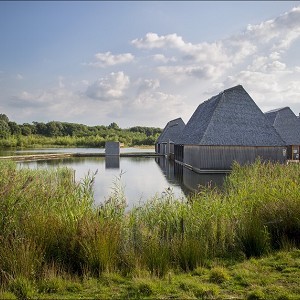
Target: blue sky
x,y
143,62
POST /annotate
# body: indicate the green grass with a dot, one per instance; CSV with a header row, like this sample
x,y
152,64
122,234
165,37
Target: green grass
x,y
238,242
257,278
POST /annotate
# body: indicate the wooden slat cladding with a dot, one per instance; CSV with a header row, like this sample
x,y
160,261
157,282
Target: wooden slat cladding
x,y
222,157
178,152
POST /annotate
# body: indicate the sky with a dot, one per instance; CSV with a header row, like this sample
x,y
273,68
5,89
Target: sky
x,y
144,63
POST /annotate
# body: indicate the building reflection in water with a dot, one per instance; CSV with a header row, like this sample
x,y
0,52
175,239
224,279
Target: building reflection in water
x,y
188,180
112,162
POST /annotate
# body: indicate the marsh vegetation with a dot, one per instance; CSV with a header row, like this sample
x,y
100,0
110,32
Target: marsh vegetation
x,y
56,241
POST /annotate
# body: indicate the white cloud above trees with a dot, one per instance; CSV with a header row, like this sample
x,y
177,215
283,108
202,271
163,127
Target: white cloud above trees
x,y
108,88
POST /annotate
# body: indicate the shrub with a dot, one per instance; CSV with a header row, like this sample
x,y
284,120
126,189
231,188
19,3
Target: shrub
x,y
218,275
22,288
256,295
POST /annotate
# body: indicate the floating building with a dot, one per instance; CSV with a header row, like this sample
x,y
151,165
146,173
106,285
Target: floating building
x,y
169,136
287,125
226,128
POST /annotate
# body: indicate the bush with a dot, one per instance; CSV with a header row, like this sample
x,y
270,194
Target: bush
x,y
256,295
22,288
218,275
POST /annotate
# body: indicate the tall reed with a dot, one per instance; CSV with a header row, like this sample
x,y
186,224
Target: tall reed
x,y
47,219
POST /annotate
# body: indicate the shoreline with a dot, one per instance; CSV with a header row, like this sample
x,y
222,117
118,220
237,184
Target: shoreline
x,y
34,157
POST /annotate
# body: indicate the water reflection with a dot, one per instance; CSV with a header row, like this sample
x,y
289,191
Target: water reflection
x,y
112,162
189,181
141,177
14,151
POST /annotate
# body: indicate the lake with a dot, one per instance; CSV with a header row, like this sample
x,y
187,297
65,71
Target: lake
x,y
141,177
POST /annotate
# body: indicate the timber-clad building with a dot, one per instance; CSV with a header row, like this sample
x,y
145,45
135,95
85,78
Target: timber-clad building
x,y
288,126
226,128
169,136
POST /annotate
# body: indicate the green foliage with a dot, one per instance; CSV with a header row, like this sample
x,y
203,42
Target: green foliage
x,y
218,275
14,128
26,129
51,285
22,288
72,134
256,295
4,129
8,295
113,126
4,118
255,214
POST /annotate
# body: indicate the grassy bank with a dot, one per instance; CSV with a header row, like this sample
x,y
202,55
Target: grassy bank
x,y
55,242
275,276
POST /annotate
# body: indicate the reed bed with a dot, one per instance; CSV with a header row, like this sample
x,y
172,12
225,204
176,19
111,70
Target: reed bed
x,y
49,224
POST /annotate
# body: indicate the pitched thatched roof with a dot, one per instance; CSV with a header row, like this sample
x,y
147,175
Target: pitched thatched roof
x,y
286,123
230,118
172,131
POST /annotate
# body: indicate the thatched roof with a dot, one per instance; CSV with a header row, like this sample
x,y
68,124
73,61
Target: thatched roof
x,y
286,123
172,131
230,118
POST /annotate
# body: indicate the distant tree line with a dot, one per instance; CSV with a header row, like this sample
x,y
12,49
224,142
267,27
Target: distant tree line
x,y
73,134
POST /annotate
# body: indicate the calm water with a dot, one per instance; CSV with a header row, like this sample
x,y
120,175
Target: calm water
x,y
141,177
10,152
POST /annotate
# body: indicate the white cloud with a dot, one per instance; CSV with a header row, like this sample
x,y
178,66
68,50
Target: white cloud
x,y
275,55
146,85
109,88
255,80
238,49
279,32
61,82
276,66
180,72
19,76
85,82
266,64
153,104
196,53
48,99
61,104
174,75
162,58
269,38
153,40
107,59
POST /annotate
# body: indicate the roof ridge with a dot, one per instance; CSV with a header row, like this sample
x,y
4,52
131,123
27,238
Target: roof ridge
x,y
174,120
169,128
232,88
214,111
278,115
277,110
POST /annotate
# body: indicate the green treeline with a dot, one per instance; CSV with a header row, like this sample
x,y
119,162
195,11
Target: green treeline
x,y
72,134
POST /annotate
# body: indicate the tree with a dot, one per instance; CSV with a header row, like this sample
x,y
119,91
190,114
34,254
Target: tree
x,y
40,128
4,129
54,128
4,118
113,125
26,130
14,128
